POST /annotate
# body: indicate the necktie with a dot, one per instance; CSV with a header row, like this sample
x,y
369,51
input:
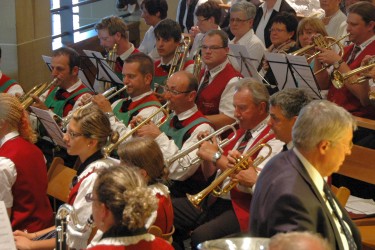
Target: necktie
x,y
125,105
165,67
176,123
118,65
285,148
355,51
244,141
61,94
331,202
204,83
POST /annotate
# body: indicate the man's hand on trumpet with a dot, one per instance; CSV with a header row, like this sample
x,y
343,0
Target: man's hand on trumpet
x,y
148,130
85,98
102,102
38,103
246,178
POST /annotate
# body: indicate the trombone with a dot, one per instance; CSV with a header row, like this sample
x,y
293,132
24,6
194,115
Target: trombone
x,y
106,150
242,163
26,100
180,55
196,145
338,78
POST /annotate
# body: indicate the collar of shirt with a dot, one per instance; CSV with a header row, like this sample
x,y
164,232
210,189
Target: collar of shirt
x,y
74,86
188,113
165,63
276,7
127,53
289,145
137,98
245,38
311,170
366,43
8,137
254,133
217,70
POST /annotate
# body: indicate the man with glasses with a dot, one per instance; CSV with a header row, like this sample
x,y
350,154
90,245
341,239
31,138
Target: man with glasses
x,y
217,84
138,73
241,25
180,132
265,12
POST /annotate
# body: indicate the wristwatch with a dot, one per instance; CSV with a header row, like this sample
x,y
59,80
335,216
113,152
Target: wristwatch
x,y
337,64
216,156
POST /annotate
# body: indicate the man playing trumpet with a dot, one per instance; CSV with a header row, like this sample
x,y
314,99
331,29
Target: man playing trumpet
x,y
229,214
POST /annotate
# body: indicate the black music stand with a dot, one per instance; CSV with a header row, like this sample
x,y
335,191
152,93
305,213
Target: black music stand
x,y
247,65
293,72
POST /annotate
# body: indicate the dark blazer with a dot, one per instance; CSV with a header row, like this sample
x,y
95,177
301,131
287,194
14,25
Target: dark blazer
x,y
283,7
285,199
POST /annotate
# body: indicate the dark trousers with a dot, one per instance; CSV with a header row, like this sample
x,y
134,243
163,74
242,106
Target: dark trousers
x,y
214,222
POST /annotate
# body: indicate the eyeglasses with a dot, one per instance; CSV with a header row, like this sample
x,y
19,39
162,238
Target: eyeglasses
x,y
277,30
237,20
89,197
214,47
175,92
73,134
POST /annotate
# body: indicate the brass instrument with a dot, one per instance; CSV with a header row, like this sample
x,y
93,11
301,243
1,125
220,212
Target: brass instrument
x,y
108,94
197,64
180,55
26,100
109,148
65,213
338,78
111,61
196,145
242,163
320,41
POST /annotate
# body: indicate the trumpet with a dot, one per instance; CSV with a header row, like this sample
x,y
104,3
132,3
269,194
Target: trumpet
x,y
338,78
64,213
111,61
320,41
26,100
197,64
180,55
196,145
106,150
108,94
242,163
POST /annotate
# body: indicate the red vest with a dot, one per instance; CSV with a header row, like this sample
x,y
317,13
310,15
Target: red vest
x,y
3,80
241,201
209,98
343,97
164,219
31,209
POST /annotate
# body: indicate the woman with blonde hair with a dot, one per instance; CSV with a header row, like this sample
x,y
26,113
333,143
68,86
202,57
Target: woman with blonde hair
x,y
145,154
23,171
121,206
87,132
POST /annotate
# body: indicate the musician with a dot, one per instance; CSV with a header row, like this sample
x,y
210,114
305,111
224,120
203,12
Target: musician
x,y
145,154
138,74
22,165
180,132
322,137
121,205
208,17
8,85
229,214
353,97
168,38
265,13
64,97
285,106
113,30
217,83
241,25
333,18
185,13
153,11
87,132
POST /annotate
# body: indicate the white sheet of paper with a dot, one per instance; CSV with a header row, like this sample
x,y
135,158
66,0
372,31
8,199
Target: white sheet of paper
x,y
242,60
50,125
6,234
279,66
360,206
105,73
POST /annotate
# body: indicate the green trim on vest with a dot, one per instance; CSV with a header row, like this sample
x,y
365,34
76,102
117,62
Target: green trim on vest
x,y
160,80
58,105
6,85
178,134
125,116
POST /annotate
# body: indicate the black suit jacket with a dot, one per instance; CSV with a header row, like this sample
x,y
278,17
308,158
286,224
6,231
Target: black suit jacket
x,y
285,199
283,7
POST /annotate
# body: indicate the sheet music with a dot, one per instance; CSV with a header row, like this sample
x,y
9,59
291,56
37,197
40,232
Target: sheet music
x,y
242,61
279,65
53,130
304,75
360,206
47,60
6,234
105,73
